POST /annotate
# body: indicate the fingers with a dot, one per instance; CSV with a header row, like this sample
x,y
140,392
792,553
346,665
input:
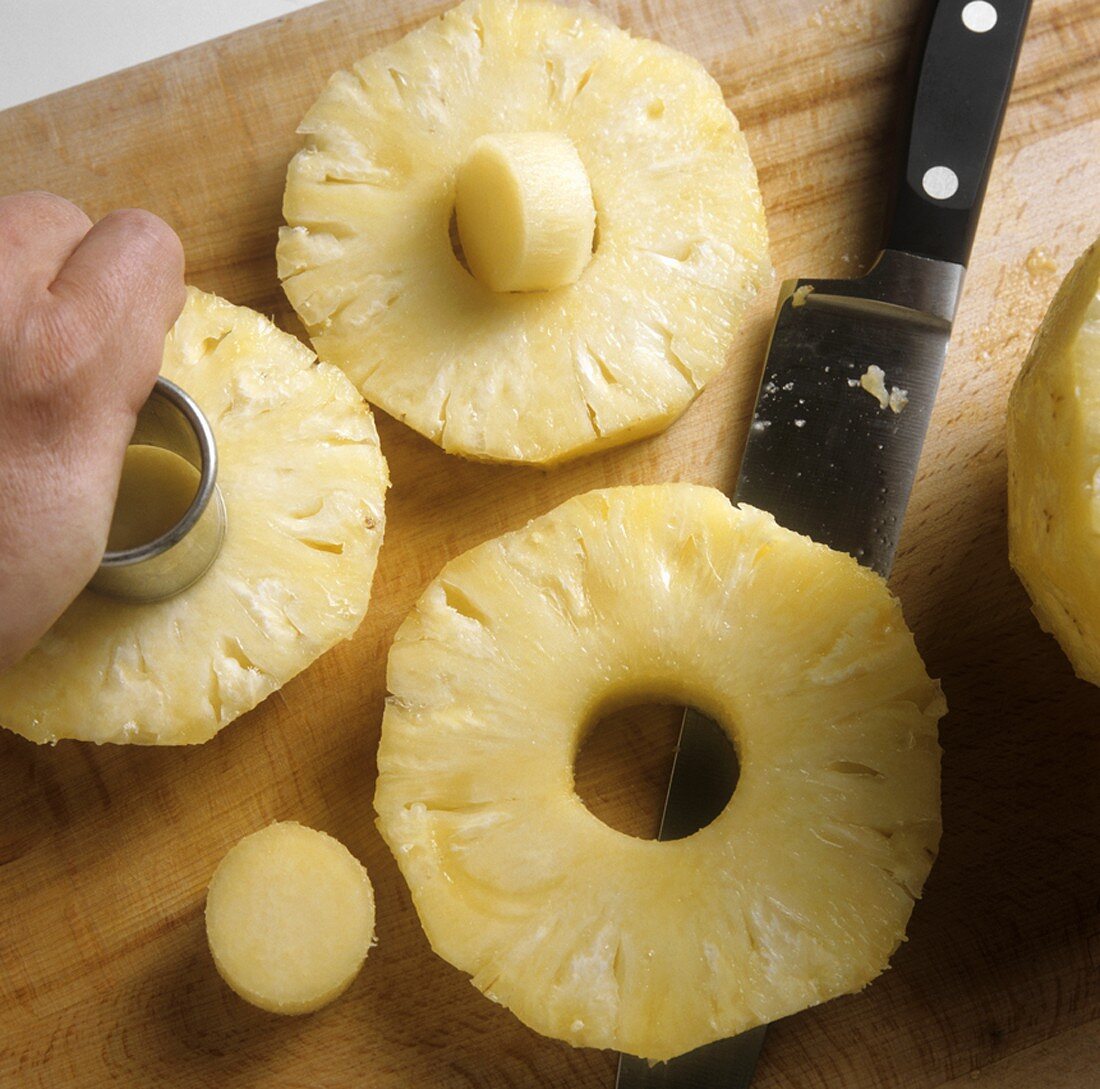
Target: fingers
x,y
130,261
85,348
83,314
38,232
126,275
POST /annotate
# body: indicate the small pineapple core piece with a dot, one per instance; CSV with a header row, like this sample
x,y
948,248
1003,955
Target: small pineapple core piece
x,y
155,491
304,482
1053,444
524,210
518,119
289,918
800,890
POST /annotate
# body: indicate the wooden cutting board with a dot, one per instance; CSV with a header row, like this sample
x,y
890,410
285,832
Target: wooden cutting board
x,y
105,978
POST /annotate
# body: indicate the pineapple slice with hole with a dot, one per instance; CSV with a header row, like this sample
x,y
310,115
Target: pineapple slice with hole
x,y
800,890
303,481
542,375
1053,442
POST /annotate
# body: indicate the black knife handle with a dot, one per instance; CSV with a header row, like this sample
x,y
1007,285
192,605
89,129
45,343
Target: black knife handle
x,y
964,75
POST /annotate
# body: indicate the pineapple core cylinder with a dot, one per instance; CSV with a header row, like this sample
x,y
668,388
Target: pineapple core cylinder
x,y
289,918
525,213
156,488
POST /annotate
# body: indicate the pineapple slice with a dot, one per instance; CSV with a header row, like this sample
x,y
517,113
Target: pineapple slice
x,y
1053,445
303,481
539,376
802,887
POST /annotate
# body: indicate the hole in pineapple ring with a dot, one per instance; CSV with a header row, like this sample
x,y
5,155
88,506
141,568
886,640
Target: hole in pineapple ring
x,y
456,242
623,764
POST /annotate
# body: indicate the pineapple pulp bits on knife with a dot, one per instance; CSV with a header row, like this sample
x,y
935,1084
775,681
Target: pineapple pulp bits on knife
x,y
800,890
1053,442
680,240
289,918
304,481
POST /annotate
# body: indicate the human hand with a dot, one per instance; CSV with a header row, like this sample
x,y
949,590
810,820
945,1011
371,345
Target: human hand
x,y
83,314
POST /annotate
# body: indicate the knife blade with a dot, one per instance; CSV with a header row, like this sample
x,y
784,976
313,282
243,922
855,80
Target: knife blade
x,y
847,392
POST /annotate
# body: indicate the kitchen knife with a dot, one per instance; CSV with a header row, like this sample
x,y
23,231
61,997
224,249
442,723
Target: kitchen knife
x,y
847,391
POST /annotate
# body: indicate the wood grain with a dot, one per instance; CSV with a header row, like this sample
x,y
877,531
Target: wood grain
x,y
104,854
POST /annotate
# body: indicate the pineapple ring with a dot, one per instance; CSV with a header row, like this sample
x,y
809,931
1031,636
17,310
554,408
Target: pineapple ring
x,y
1053,443
800,890
304,483
368,264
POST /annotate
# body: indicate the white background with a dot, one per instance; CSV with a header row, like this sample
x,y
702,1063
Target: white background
x,y
47,45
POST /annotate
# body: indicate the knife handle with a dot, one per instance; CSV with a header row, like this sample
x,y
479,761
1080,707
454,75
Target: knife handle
x,y
964,75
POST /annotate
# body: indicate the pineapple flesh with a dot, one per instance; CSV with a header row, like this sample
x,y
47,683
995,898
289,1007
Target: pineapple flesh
x,y
1053,442
289,918
800,890
542,375
303,480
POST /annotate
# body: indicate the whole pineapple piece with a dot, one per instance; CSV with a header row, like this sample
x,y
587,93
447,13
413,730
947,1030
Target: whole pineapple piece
x,y
1053,460
799,890
605,203
303,480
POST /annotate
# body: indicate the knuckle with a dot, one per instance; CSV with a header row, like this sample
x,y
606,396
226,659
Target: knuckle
x,y
148,234
133,253
152,255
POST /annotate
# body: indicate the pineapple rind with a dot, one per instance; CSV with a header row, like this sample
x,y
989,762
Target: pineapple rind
x,y
799,891
537,377
1053,446
303,480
